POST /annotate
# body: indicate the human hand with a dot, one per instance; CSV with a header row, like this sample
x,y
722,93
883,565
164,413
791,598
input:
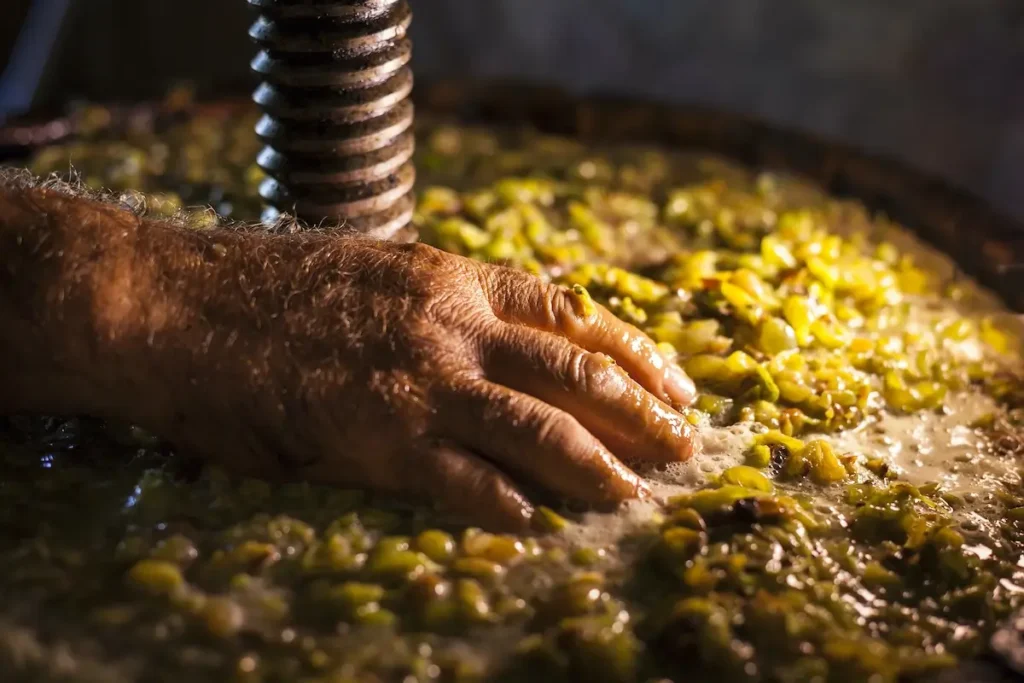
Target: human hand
x,y
399,368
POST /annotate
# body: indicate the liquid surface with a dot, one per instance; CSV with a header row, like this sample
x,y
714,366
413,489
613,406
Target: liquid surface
x,y
855,514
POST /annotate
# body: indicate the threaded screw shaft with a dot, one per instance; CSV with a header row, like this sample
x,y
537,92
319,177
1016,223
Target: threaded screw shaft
x,y
337,118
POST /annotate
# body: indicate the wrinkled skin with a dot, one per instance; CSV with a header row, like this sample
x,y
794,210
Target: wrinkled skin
x,y
395,367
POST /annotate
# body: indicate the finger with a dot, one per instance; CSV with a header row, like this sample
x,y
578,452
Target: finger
x,y
532,439
521,298
470,488
626,418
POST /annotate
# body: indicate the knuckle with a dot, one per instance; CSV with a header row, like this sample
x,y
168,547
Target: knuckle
x,y
452,304
491,486
593,372
473,482
557,431
579,368
559,307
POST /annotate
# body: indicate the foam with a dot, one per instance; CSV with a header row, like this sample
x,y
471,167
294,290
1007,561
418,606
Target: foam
x,y
935,447
721,448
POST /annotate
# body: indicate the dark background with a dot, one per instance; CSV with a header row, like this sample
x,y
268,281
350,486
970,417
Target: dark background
x,y
939,83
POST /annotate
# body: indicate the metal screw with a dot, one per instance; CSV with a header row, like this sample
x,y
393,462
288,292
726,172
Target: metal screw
x,y
337,119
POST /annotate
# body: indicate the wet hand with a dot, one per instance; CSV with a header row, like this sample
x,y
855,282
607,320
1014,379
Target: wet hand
x,y
400,368
413,371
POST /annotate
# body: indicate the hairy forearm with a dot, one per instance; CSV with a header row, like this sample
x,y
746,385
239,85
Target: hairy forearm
x,y
103,312
62,263
88,293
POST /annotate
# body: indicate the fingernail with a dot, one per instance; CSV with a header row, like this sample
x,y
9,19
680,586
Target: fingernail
x,y
692,445
678,384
